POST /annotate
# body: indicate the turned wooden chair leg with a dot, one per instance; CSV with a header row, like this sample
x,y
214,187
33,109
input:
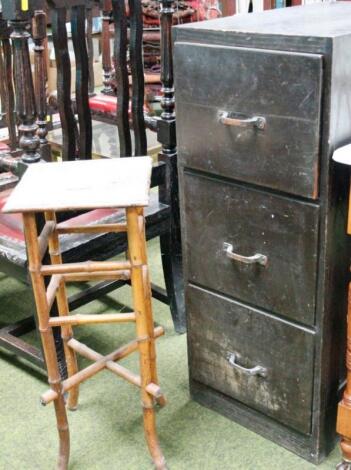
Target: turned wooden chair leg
x,y
141,295
343,424
47,338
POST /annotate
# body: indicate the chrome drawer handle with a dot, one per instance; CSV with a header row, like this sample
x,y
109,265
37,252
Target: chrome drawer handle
x,y
257,258
229,120
257,370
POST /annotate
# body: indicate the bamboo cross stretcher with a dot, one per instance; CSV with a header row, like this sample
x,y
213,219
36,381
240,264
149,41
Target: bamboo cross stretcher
x,y
49,284
102,362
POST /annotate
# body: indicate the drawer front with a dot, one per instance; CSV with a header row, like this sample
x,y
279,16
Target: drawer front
x,y
225,336
283,88
253,222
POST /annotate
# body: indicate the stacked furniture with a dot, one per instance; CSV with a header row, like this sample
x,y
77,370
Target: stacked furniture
x,y
264,215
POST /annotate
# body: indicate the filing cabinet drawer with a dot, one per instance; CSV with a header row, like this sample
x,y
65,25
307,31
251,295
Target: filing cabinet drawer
x,y
223,220
261,361
281,149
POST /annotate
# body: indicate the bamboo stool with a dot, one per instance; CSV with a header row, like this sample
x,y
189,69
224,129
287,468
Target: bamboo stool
x,y
116,183
343,423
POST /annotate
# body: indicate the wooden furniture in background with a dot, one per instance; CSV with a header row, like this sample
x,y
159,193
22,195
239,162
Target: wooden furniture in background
x,y
119,184
40,77
162,216
165,209
343,424
9,143
104,107
6,85
22,112
12,37
264,214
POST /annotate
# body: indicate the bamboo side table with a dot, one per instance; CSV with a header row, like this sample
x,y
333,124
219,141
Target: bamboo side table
x,y
343,423
117,183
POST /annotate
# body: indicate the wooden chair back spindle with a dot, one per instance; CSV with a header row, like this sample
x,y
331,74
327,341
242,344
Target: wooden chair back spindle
x,y
106,49
6,87
137,71
78,17
40,79
90,46
166,130
120,54
25,97
75,144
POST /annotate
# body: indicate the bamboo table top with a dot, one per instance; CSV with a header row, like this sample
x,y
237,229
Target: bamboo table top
x,y
84,184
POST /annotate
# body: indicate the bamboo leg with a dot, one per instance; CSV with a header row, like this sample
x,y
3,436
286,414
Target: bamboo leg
x,y
63,431
343,425
148,304
47,338
136,245
63,309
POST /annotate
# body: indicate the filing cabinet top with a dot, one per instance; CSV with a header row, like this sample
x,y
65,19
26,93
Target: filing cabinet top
x,y
324,20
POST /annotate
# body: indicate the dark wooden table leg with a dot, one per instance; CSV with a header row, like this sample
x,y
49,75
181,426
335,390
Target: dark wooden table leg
x,y
343,424
170,243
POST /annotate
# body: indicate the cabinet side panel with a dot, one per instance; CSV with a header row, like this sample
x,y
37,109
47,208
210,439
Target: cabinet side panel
x,y
334,258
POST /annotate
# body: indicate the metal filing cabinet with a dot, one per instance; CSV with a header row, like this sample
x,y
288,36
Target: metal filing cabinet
x,y
262,100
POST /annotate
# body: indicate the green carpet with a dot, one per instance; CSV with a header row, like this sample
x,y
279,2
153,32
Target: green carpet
x,y
106,430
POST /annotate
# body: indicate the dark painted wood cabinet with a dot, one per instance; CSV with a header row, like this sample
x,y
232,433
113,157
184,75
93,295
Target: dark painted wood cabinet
x,y
262,101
